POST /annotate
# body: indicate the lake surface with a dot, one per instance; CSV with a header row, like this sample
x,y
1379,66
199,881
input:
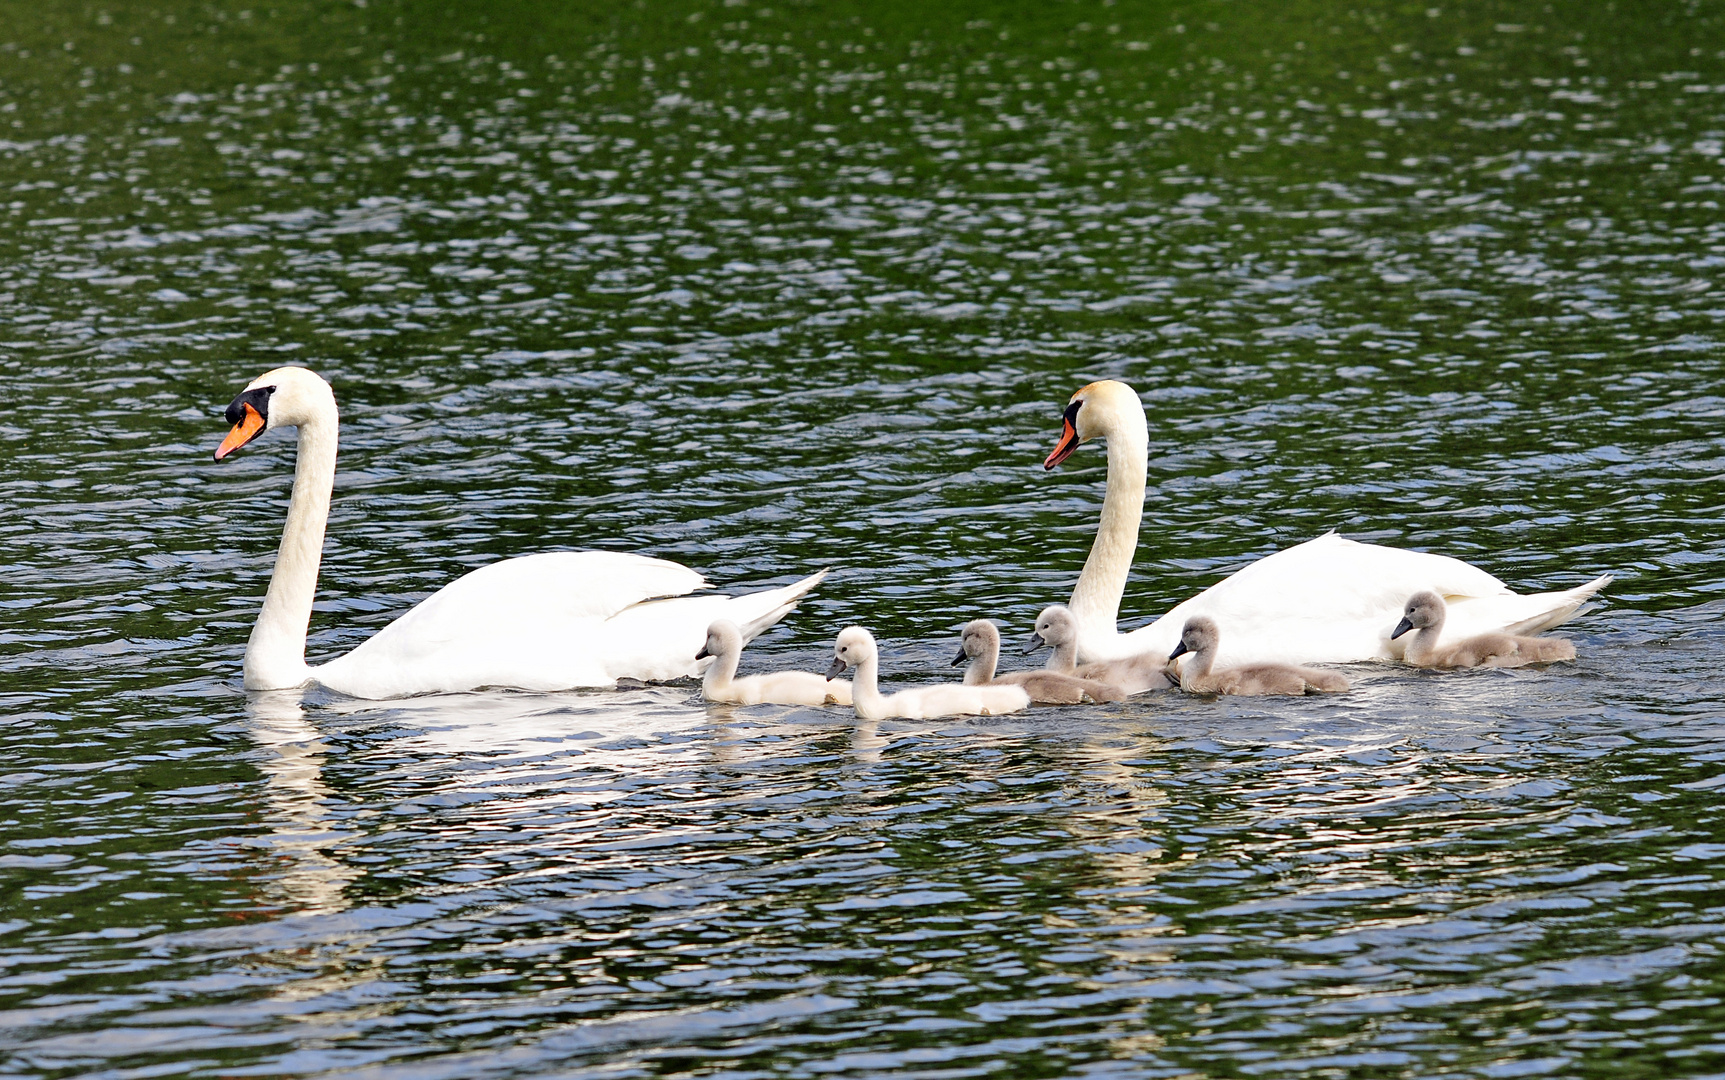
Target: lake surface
x,y
768,288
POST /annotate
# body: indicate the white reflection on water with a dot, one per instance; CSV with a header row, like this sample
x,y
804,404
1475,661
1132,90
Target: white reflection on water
x,y
301,831
507,724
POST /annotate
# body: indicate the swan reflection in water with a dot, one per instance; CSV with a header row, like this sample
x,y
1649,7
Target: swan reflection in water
x,y
303,831
534,750
438,766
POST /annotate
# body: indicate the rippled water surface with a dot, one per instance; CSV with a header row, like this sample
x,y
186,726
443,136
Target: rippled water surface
x,y
767,288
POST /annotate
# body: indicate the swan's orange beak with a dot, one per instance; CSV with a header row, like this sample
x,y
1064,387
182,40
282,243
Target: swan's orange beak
x,y
1069,439
1062,449
251,425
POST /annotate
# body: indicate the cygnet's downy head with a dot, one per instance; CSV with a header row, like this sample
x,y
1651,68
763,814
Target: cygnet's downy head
x,y
1055,627
1424,609
980,638
723,639
1199,633
854,646
1096,409
285,397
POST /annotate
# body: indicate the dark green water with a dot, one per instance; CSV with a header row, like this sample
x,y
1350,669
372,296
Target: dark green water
x,y
768,288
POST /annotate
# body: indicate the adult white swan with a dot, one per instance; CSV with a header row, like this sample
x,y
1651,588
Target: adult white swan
x,y
1328,599
552,621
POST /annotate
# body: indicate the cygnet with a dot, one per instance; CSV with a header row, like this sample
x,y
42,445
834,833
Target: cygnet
x,y
1425,615
725,646
855,648
1056,627
980,644
1201,638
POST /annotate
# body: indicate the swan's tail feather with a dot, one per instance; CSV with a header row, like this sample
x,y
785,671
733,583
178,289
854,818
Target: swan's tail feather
x,y
1564,607
758,611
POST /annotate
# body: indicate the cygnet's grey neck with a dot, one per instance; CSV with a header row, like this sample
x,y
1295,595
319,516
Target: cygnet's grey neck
x,y
983,648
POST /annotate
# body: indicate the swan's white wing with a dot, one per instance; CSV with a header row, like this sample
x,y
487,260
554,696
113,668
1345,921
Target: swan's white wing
x,y
552,622
567,584
1514,614
658,639
1336,600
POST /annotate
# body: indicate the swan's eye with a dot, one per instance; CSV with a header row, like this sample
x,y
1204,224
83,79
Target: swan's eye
x,y
1071,413
257,397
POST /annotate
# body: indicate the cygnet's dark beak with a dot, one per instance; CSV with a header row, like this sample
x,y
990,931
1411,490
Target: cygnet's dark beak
x,y
1036,642
961,657
1401,628
703,654
837,669
1179,650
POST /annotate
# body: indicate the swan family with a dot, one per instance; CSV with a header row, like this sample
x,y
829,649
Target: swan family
x,y
594,619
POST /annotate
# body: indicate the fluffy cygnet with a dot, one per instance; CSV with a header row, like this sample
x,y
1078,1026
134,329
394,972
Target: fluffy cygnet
x,y
1425,615
855,648
980,644
725,646
1057,627
1201,638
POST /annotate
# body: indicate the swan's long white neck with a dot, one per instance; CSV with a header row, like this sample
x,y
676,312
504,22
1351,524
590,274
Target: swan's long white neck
x,y
865,690
1096,598
275,655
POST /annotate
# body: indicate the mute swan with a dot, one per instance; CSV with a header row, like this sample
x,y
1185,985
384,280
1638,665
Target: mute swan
x,y
551,621
1328,599
1425,616
855,648
1056,628
980,644
1200,638
725,646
